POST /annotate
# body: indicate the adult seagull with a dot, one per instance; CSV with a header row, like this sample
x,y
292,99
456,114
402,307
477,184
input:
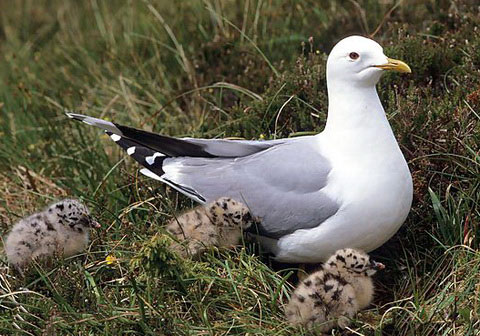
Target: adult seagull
x,y
348,186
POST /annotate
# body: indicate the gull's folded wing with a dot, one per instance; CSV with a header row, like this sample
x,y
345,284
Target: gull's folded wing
x,y
281,181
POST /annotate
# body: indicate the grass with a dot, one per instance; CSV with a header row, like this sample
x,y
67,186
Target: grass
x,y
225,69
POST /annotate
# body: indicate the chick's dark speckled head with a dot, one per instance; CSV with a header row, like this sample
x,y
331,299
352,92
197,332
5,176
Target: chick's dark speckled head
x,y
233,213
72,213
354,262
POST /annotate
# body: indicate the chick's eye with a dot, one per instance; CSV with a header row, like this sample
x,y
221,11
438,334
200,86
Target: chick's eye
x,y
353,55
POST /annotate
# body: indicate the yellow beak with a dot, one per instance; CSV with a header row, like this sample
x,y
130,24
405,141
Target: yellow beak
x,y
395,65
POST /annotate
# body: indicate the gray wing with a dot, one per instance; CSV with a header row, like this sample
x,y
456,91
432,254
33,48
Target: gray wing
x,y
282,185
281,181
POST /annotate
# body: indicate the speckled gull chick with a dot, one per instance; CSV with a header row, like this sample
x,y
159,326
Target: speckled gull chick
x,y
62,228
348,186
220,223
332,295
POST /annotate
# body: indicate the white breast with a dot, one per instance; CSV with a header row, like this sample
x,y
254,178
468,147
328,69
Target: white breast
x,y
371,181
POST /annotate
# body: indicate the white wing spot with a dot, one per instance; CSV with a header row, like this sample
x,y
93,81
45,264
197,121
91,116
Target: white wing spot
x,y
151,159
131,150
115,137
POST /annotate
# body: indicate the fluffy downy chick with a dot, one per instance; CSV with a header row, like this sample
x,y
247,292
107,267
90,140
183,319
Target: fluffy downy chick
x,y
61,228
219,223
331,296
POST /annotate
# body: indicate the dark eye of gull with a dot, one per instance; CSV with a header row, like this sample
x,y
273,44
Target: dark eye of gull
x,y
353,55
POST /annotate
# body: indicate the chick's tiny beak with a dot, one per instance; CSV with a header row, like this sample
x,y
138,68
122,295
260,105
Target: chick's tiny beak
x,y
377,266
94,224
394,65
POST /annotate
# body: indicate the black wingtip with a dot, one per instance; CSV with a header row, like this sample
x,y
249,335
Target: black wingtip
x,y
147,157
164,144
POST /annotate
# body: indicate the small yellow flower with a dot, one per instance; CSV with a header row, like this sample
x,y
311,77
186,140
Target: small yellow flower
x,y
31,147
110,259
262,136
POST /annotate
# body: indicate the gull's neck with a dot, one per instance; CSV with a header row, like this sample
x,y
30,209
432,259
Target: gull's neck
x,y
353,108
357,127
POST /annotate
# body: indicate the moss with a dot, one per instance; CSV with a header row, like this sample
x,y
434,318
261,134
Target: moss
x,y
156,258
